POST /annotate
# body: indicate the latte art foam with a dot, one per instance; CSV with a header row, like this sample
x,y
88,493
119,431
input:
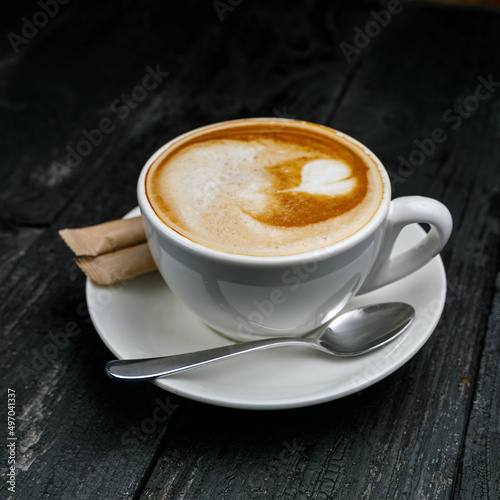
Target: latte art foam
x,y
264,187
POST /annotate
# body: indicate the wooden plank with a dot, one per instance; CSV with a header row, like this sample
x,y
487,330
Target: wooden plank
x,y
478,474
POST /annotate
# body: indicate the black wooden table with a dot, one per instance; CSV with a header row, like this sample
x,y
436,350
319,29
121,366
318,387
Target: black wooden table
x,y
89,90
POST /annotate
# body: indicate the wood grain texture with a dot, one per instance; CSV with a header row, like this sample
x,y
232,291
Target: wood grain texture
x,y
428,431
478,474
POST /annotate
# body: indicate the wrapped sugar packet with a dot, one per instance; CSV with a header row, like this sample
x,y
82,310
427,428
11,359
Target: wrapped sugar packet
x,y
104,238
123,264
112,251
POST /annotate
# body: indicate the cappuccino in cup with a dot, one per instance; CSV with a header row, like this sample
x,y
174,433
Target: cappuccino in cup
x,y
267,227
264,187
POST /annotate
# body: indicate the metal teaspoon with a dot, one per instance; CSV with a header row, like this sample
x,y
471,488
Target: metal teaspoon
x,y
352,333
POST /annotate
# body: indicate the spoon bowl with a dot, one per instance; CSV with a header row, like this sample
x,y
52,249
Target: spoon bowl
x,y
367,328
352,333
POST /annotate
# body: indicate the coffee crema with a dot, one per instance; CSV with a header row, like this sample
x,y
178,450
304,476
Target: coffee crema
x,y
265,187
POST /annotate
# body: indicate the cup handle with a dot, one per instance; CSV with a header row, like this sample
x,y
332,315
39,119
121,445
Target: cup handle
x,y
404,211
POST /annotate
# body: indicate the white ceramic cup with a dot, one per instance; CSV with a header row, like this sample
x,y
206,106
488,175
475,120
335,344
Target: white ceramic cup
x,y
248,297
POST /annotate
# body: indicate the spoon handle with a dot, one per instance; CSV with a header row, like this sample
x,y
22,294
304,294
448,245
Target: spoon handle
x,y
146,368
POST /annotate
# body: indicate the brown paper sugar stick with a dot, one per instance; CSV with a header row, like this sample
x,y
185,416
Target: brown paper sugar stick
x,y
123,264
104,238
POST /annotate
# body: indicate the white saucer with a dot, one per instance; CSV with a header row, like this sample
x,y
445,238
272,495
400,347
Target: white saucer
x,y
142,318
